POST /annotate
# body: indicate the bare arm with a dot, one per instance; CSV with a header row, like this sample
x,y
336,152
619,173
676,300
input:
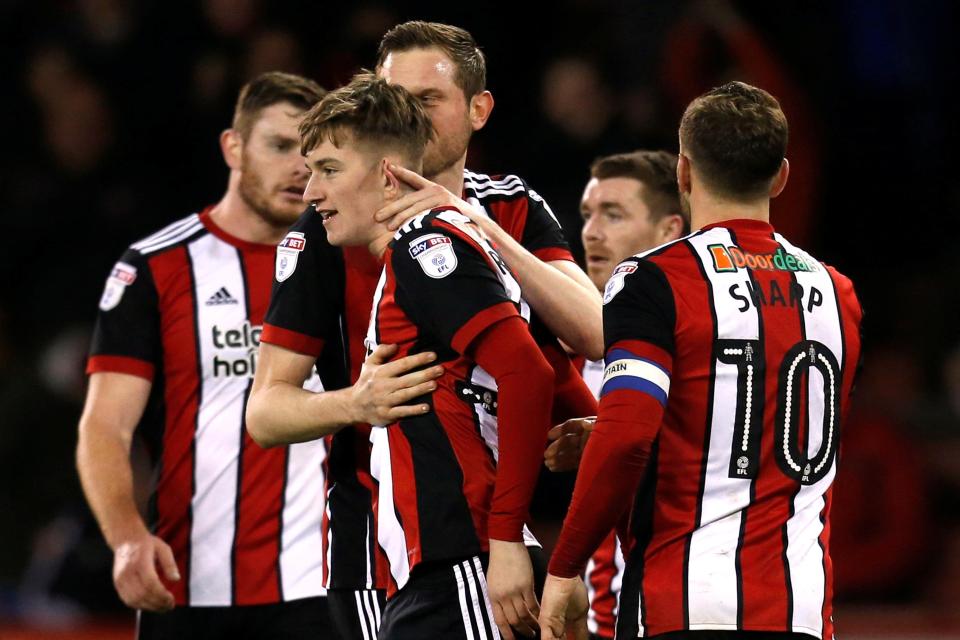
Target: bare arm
x,y
559,291
281,411
115,402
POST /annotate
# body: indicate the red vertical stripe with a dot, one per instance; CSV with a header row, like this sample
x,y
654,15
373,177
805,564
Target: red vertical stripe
x,y
604,601
766,592
405,492
171,273
257,538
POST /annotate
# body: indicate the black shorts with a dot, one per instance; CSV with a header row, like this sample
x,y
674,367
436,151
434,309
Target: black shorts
x,y
306,619
731,635
356,614
441,600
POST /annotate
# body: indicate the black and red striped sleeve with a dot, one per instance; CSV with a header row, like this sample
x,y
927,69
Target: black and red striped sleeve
x,y
126,337
447,287
307,298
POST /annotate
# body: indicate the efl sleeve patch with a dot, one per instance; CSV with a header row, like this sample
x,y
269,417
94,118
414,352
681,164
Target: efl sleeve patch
x,y
615,283
435,255
288,252
628,371
121,277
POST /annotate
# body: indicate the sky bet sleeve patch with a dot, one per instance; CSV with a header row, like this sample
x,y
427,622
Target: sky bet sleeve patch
x,y
122,276
434,252
287,253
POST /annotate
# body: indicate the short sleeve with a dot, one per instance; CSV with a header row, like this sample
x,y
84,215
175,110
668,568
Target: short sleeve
x,y
126,337
307,296
542,234
447,287
638,304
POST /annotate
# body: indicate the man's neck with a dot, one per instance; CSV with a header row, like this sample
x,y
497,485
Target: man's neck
x,y
451,178
708,209
236,217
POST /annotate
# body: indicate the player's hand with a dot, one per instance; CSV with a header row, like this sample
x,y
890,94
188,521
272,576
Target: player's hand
x,y
135,573
383,387
426,195
563,613
510,586
567,441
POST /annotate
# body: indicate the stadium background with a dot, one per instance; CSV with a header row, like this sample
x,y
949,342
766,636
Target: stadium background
x,y
111,111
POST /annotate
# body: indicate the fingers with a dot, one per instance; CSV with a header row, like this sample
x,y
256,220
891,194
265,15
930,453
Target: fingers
x,y
555,432
412,178
381,354
167,562
400,366
506,633
518,616
563,454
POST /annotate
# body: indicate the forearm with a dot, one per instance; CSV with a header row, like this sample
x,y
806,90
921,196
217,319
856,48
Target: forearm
x,y
103,464
282,413
525,390
570,306
613,464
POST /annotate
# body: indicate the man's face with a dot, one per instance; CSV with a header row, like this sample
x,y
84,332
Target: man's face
x,y
345,188
616,225
429,75
272,174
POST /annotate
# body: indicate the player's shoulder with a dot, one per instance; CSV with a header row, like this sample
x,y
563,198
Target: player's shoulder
x,y
500,186
447,221
169,237
434,239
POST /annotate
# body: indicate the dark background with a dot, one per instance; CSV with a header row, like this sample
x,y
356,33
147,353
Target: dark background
x,y
111,111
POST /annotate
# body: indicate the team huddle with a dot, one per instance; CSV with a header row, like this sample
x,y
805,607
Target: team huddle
x,y
347,408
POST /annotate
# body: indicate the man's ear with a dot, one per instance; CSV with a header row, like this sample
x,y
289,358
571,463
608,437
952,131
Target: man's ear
x,y
480,107
231,146
780,180
683,174
671,227
391,185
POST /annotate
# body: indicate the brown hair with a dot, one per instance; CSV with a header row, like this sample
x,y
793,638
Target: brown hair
x,y
656,171
736,138
455,42
373,112
271,88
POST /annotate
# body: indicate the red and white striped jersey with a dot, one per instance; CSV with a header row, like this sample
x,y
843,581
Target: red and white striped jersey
x,y
604,573
184,308
441,287
730,529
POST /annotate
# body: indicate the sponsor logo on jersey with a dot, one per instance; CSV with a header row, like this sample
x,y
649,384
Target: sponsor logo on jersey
x,y
222,296
287,253
434,252
121,277
615,283
236,350
730,258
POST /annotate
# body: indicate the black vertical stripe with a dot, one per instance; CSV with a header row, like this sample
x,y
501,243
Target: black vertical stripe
x,y
488,623
196,420
469,580
706,436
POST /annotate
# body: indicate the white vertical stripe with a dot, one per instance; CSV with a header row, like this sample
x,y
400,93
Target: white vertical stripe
x,y
804,554
481,576
713,546
301,566
462,593
375,603
217,444
362,617
389,532
368,610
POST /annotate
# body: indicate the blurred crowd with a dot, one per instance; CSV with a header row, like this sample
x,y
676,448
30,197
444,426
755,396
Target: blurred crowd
x,y
113,108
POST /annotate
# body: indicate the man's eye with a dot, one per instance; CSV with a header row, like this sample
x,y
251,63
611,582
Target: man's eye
x,y
328,171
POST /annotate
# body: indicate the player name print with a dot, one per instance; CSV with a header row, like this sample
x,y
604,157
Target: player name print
x,y
288,251
236,350
732,258
121,277
434,252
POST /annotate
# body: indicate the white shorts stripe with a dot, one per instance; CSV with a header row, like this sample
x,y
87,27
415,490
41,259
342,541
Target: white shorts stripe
x,y
462,594
362,618
482,578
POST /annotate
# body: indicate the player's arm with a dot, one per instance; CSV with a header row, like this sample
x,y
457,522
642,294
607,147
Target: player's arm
x,y
558,290
639,322
281,411
114,405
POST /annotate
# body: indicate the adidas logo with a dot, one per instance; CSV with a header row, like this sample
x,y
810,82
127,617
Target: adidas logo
x,y
222,296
